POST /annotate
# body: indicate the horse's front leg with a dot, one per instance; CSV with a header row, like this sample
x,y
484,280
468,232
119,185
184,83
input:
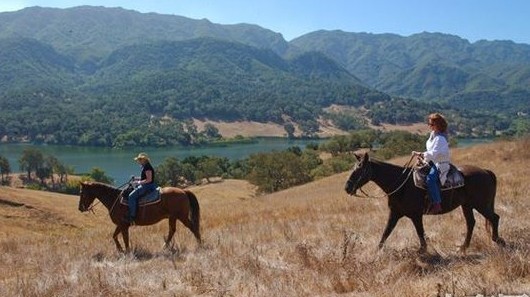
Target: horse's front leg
x,y
116,241
393,218
418,224
125,234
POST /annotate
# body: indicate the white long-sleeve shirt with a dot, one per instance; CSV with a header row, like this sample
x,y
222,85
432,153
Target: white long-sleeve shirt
x,y
438,152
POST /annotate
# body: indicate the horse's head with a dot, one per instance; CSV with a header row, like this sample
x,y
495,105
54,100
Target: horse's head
x,y
361,174
86,196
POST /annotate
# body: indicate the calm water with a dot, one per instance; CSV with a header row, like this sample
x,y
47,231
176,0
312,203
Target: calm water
x,y
465,142
119,164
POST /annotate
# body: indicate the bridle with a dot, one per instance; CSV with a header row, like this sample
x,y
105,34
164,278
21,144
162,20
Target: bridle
x,y
367,173
94,202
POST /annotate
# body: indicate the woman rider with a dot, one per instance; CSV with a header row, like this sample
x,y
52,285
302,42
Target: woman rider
x,y
437,154
145,184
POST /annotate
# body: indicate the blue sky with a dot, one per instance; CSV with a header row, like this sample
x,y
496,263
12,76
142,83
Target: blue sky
x,y
470,19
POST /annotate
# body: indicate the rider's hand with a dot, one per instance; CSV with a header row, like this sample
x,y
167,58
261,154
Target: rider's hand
x,y
417,154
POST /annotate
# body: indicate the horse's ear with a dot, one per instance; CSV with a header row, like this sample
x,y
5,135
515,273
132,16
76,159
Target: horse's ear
x,y
366,157
357,157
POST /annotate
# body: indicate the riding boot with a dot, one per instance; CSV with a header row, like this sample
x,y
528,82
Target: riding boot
x,y
436,208
128,219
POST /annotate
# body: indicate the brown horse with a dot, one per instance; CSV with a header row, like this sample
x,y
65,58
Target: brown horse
x,y
405,199
176,204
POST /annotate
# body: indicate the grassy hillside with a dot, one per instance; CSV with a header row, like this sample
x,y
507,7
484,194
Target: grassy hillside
x,y
311,240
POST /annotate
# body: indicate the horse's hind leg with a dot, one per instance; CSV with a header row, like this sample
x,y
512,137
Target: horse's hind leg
x,y
172,229
196,232
493,218
470,223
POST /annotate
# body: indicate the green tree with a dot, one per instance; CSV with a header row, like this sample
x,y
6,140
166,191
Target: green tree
x,y
5,169
289,128
54,166
210,167
31,160
277,171
211,131
43,173
310,160
520,127
400,143
98,174
338,144
169,172
309,128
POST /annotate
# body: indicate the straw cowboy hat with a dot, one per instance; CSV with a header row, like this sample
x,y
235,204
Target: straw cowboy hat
x,y
141,156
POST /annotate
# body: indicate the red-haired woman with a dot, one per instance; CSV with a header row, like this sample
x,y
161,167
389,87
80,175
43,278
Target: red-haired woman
x,y
436,154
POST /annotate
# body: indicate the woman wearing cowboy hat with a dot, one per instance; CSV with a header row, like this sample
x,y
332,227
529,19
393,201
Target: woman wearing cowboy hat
x,y
144,185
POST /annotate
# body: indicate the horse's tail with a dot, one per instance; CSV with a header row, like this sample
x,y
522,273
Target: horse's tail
x,y
195,215
491,206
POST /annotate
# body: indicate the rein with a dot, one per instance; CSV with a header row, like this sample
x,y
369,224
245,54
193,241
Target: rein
x,y
91,207
405,169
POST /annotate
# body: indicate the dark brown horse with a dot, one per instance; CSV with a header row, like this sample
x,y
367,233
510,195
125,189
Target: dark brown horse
x,y
405,199
176,204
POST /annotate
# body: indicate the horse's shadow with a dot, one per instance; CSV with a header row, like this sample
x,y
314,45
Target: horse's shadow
x,y
141,254
436,260
429,262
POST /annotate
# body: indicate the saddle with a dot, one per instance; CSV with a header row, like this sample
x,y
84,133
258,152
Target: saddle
x,y
455,178
152,197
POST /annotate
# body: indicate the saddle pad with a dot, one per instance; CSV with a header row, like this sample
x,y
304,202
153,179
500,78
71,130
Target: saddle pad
x,y
455,178
151,198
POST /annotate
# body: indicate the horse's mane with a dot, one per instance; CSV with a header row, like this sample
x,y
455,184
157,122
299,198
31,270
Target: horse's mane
x,y
386,164
102,186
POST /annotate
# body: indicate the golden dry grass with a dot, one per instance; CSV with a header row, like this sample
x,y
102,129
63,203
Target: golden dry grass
x,y
311,240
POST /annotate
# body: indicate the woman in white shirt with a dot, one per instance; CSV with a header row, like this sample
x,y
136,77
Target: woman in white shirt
x,y
437,154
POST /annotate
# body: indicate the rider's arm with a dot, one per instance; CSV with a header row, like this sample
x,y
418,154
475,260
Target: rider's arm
x,y
148,177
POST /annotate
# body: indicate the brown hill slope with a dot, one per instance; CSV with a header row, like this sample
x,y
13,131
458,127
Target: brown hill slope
x,y
311,240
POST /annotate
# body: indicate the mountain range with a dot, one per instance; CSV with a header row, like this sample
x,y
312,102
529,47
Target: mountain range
x,y
118,61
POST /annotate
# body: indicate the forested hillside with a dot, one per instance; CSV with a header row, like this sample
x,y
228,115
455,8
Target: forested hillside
x,y
90,33
491,76
147,93
114,77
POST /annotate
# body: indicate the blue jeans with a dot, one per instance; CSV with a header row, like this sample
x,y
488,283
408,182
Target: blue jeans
x,y
433,184
137,193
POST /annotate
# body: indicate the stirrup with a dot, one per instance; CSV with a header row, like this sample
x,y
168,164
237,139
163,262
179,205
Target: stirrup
x,y
435,210
129,220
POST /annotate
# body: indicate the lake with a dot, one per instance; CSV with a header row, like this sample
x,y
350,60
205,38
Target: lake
x,y
119,163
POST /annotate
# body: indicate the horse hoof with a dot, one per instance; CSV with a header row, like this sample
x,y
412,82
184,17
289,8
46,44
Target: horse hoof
x,y
500,242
